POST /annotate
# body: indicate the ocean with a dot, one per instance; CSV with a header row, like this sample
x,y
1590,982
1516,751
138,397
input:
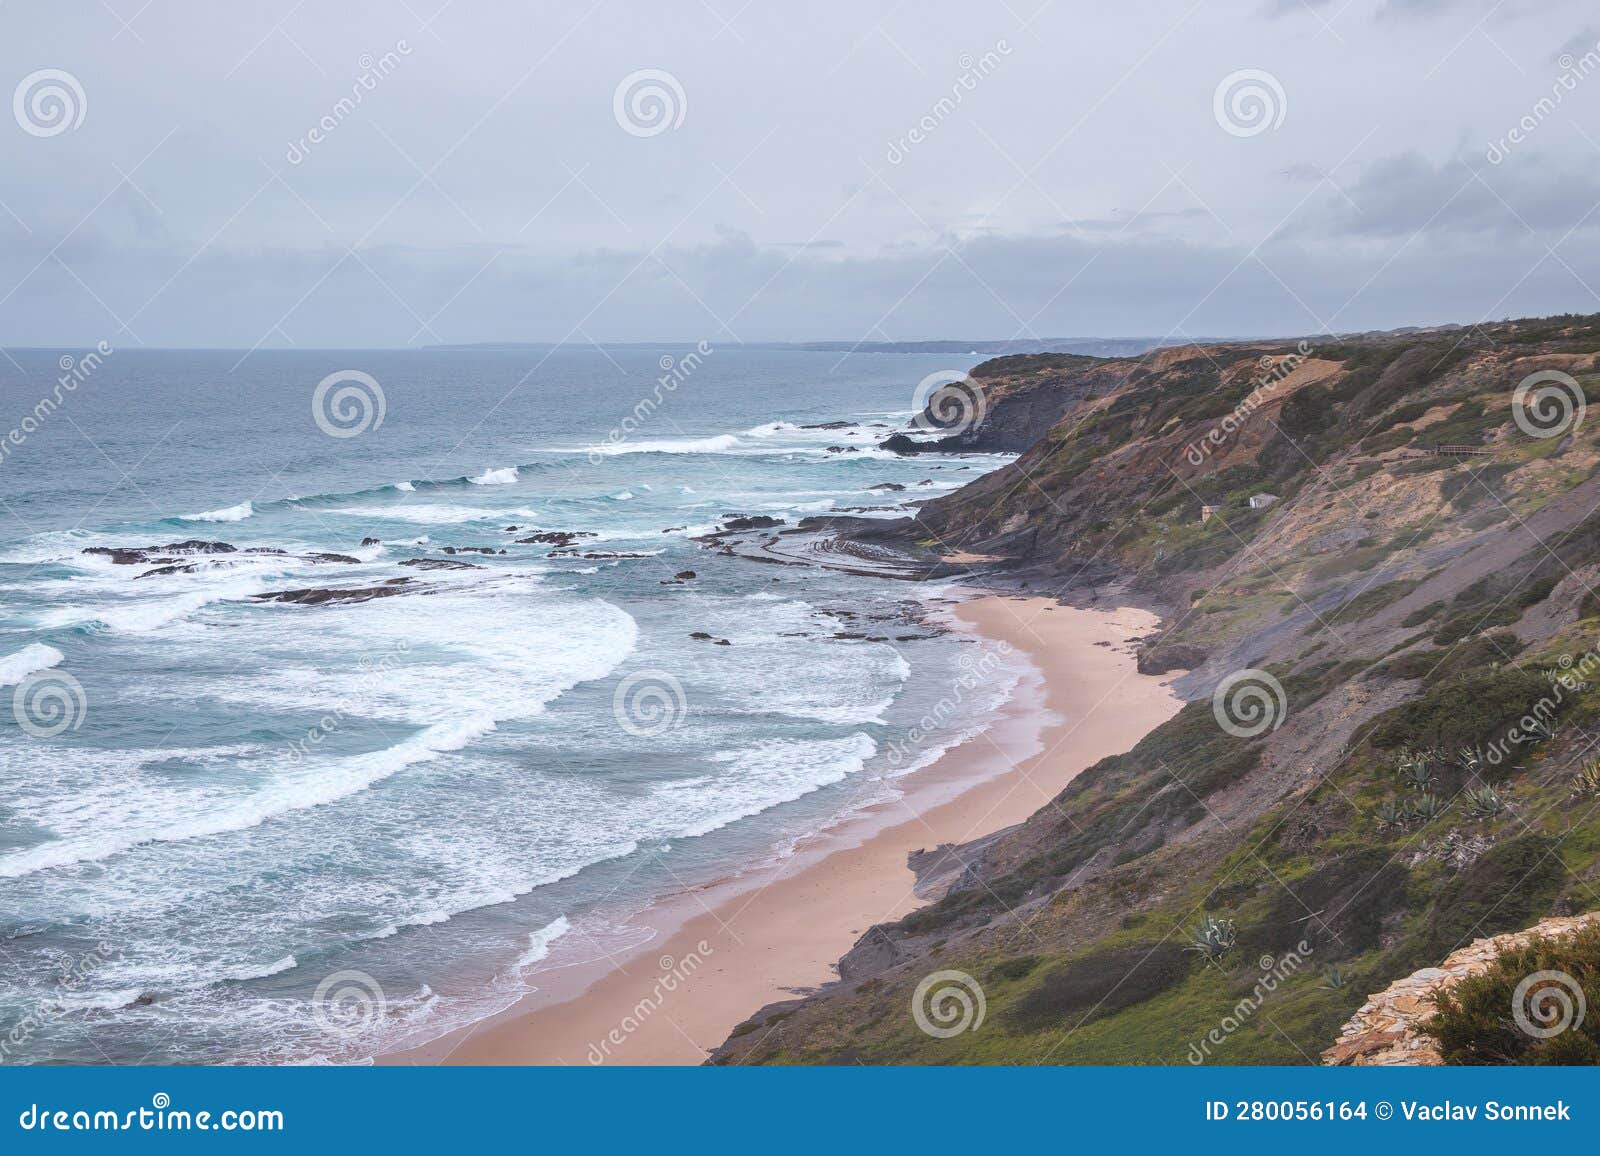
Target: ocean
x,y
313,828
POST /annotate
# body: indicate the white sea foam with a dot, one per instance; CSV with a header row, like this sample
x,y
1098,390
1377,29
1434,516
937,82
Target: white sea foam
x,y
758,777
539,942
139,615
452,678
717,444
114,1000
429,514
501,477
250,971
31,658
331,781
226,514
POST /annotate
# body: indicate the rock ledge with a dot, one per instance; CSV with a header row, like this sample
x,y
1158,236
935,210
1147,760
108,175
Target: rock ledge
x,y
1384,1032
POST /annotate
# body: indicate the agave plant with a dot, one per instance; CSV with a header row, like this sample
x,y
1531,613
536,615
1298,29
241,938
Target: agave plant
x,y
1213,937
1425,808
1560,675
1391,814
1484,803
1469,760
1416,771
1587,780
1333,979
1543,731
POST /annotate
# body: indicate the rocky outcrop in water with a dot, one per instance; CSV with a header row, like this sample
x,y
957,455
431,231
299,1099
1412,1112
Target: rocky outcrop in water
x,y
342,595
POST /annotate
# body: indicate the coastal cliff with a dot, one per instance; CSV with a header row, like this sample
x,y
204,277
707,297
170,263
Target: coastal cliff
x,y
1374,558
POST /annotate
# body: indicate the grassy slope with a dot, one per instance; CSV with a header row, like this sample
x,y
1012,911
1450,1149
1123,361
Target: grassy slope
x,y
1403,602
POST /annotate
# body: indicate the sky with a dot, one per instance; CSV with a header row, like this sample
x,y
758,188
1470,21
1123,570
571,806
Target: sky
x,y
310,174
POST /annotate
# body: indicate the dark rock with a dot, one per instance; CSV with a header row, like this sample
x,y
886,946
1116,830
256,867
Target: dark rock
x,y
198,546
750,522
555,537
372,541
138,555
345,558
699,636
470,550
173,568
594,554
119,556
439,564
336,596
831,425
681,574
722,642
1158,659
894,487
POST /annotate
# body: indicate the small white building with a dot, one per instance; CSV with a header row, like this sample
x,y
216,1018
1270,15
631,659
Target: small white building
x,y
1262,501
1206,512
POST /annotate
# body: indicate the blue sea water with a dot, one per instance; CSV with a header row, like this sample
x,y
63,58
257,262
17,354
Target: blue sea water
x,y
210,804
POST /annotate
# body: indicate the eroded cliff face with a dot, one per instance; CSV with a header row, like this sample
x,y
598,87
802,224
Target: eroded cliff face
x,y
1409,614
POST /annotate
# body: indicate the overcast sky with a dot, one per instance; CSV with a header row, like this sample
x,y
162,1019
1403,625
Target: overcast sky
x,y
1073,170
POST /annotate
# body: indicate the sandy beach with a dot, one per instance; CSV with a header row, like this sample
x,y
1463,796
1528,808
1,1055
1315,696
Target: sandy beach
x,y
721,952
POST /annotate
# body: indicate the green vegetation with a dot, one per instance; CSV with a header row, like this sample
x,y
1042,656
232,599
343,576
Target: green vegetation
x,y
1473,1027
1421,792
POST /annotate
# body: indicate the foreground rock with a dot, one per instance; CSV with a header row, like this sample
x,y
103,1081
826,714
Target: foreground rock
x,y
140,555
1386,1031
342,596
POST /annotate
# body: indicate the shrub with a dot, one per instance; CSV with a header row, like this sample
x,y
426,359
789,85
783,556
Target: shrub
x,y
1476,1023
1508,888
1098,984
1018,967
1466,711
